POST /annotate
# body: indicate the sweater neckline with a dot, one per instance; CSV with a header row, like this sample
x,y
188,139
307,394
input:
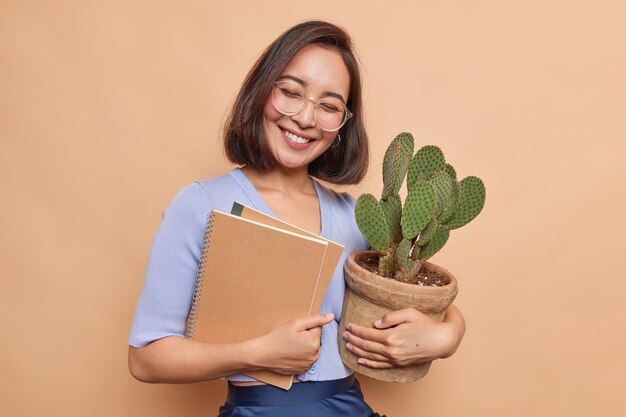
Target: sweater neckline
x,y
259,203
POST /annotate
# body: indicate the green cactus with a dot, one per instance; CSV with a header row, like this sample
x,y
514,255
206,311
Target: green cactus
x,y
450,170
371,221
406,235
440,237
418,209
452,205
426,161
427,233
471,202
396,163
444,189
393,213
403,254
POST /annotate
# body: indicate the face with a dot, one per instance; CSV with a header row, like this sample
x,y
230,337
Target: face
x,y
295,141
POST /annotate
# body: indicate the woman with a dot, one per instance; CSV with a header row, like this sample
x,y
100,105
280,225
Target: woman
x,y
297,116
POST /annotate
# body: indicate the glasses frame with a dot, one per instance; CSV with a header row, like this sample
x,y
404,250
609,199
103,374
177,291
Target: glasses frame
x,y
308,99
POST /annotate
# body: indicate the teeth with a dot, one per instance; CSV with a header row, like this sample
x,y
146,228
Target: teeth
x,y
295,138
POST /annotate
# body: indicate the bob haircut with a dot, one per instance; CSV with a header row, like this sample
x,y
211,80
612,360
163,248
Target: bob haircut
x,y
244,134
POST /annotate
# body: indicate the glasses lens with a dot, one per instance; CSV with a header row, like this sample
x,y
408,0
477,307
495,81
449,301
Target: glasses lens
x,y
291,98
330,113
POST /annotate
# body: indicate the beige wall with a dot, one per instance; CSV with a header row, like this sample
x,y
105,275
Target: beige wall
x,y
108,108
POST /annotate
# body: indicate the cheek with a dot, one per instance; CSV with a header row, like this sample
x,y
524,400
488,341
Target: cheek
x,y
329,137
270,114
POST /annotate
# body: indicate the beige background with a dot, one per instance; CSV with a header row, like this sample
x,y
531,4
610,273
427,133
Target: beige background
x,y
108,108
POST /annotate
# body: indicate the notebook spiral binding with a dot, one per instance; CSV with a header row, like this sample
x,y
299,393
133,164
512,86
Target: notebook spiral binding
x,y
191,324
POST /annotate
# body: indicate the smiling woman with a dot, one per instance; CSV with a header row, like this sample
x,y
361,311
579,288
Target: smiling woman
x,y
298,116
297,139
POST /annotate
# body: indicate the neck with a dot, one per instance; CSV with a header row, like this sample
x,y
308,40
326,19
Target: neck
x,y
279,178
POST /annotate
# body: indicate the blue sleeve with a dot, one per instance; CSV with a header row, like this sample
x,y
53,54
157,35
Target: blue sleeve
x,y
172,269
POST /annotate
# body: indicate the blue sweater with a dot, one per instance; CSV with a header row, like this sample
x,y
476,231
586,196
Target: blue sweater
x,y
170,279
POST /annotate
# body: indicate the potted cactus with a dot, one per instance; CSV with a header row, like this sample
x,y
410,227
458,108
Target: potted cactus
x,y
396,273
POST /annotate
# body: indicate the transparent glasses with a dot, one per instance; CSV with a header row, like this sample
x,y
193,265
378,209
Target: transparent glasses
x,y
290,98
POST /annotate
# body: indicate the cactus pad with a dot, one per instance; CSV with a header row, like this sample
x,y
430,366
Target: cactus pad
x,y
403,252
427,160
392,207
444,188
452,205
427,233
371,221
439,239
450,170
387,265
396,163
471,202
418,209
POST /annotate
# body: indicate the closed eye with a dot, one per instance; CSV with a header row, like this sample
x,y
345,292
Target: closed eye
x,y
330,108
289,93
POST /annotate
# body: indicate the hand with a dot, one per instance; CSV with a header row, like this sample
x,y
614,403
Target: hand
x,y
292,347
405,337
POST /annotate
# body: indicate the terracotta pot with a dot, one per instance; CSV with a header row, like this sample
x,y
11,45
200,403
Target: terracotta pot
x,y
369,297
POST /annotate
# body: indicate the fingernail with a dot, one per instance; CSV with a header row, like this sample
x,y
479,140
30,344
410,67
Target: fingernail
x,y
349,326
348,346
345,335
361,361
377,323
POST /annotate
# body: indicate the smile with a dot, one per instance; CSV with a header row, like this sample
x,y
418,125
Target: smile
x,y
295,138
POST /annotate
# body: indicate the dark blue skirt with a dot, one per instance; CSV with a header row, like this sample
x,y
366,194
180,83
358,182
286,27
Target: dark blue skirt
x,y
342,397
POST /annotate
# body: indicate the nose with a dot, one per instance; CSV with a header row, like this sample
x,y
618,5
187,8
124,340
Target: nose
x,y
306,117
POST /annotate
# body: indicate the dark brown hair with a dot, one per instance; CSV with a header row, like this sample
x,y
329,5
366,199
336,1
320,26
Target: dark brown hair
x,y
244,134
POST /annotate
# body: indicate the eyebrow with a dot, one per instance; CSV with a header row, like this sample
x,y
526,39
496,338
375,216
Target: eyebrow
x,y
304,84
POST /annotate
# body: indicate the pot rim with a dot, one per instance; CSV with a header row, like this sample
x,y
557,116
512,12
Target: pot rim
x,y
355,271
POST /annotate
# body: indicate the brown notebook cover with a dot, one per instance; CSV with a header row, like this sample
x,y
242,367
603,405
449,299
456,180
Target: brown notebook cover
x,y
256,276
332,254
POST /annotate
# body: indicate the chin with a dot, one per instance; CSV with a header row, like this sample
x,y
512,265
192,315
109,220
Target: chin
x,y
291,164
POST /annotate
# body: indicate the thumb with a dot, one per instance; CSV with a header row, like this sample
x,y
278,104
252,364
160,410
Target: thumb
x,y
396,317
314,320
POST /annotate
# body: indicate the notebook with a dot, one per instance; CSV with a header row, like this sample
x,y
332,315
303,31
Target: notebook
x,y
333,253
256,275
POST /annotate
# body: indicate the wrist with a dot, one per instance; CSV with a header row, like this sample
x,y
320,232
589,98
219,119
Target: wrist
x,y
449,340
452,334
254,354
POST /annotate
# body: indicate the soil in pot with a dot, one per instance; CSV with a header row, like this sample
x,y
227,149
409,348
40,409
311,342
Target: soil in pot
x,y
432,278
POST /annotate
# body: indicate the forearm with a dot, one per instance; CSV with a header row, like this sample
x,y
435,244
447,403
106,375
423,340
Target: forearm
x,y
456,324
175,359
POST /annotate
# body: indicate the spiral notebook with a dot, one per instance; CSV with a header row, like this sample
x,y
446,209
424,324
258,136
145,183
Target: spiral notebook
x,y
256,275
333,253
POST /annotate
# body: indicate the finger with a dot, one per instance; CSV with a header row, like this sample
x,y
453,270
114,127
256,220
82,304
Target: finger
x,y
395,318
366,345
315,332
365,354
314,320
375,364
375,335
